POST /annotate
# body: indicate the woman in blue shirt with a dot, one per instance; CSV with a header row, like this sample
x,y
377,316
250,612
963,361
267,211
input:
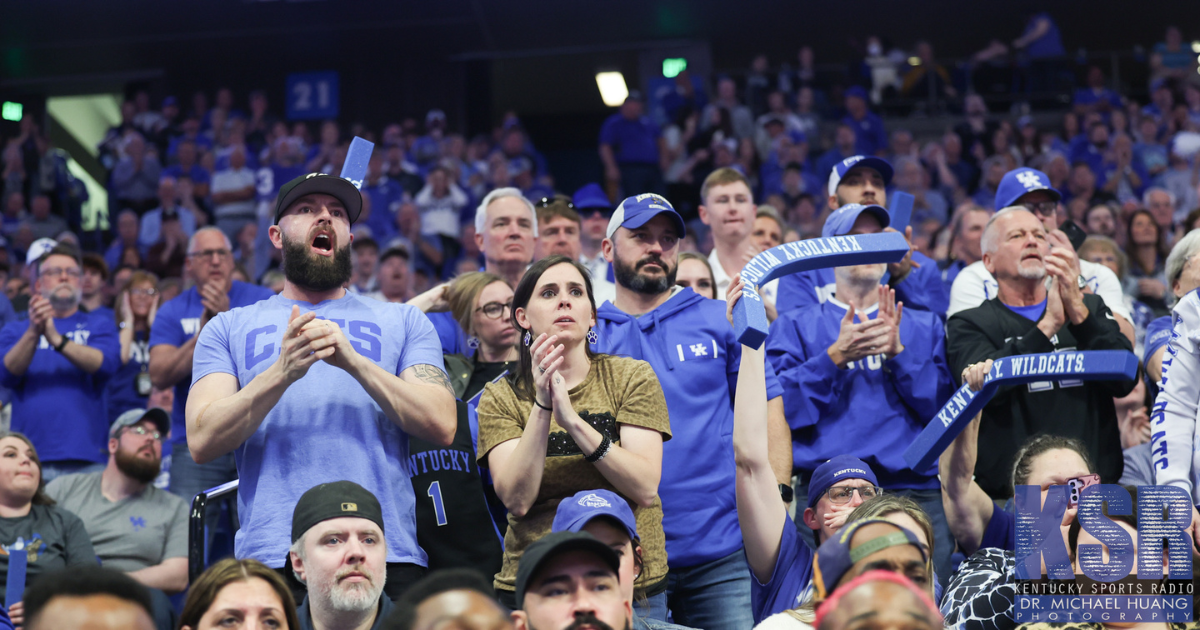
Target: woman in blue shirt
x,y
136,306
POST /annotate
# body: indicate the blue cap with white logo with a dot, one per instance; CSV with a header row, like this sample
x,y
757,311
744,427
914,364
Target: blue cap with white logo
x,y
1021,181
637,211
577,511
856,161
842,219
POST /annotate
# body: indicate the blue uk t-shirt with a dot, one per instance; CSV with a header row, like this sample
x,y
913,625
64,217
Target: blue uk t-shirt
x,y
325,427
58,406
177,322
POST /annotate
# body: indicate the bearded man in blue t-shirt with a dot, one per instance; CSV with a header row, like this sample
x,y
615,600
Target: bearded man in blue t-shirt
x,y
317,385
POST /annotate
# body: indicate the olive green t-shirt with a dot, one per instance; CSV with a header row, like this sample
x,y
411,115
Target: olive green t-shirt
x,y
616,391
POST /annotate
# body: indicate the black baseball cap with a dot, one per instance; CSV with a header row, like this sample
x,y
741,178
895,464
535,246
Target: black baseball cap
x,y
337,187
334,500
552,545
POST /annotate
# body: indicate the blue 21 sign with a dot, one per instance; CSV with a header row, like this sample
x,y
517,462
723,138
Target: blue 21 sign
x,y
1039,534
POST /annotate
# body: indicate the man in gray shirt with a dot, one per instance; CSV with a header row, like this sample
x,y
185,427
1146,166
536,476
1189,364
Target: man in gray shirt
x,y
135,527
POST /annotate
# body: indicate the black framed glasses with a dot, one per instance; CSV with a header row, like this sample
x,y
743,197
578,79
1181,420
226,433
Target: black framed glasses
x,y
841,495
494,310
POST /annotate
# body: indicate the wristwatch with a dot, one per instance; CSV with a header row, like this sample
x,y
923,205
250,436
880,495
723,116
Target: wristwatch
x,y
786,492
1081,283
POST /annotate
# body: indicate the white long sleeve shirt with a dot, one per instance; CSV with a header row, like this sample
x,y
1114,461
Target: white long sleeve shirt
x,y
1173,418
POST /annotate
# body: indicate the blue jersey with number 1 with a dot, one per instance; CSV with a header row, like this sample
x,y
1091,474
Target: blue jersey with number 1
x,y
325,427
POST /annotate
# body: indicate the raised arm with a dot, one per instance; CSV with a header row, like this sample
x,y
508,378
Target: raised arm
x,y
761,511
968,508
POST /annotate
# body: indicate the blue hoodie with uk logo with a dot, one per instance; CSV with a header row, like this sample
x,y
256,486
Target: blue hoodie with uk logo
x,y
695,355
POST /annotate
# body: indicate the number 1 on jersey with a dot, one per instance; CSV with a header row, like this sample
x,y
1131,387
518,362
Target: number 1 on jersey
x,y
439,509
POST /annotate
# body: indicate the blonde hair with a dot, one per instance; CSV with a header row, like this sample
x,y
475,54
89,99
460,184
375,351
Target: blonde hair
x,y
464,291
721,177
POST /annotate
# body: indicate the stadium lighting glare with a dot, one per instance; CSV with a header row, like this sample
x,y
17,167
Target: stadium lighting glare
x,y
11,111
612,88
673,66
1196,47
914,61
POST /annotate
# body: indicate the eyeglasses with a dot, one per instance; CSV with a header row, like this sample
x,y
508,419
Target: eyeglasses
x,y
493,310
55,272
143,431
841,495
209,253
1042,208
144,292
546,201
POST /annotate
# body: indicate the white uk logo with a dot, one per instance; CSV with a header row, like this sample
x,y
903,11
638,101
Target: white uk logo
x,y
1029,180
699,349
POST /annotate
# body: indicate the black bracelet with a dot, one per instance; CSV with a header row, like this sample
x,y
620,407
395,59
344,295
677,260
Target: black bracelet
x,y
62,344
601,450
535,401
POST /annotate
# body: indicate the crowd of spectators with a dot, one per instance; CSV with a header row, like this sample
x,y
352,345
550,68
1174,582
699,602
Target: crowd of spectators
x,y
103,314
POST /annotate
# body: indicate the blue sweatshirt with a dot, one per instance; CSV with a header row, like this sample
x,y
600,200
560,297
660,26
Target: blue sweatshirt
x,y
923,289
695,355
874,408
56,404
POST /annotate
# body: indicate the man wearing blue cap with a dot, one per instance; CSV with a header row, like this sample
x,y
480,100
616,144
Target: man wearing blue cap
x,y
860,364
609,518
916,279
693,350
1030,189
302,400
594,210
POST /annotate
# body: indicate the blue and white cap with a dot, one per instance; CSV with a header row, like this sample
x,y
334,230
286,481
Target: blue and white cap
x,y
842,219
575,512
1021,181
636,211
855,161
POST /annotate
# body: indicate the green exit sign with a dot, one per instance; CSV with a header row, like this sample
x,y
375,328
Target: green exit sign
x,y
11,111
673,66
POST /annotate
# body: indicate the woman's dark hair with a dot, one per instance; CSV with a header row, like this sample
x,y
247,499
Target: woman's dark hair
x,y
522,383
204,591
1160,242
1128,519
82,581
1039,444
40,497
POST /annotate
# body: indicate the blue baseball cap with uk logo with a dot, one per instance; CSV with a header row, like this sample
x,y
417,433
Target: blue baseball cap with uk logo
x,y
1019,182
636,211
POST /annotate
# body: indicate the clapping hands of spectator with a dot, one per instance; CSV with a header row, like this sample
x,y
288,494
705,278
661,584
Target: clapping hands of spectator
x,y
890,312
1151,287
1063,265
215,301
547,356
856,341
40,313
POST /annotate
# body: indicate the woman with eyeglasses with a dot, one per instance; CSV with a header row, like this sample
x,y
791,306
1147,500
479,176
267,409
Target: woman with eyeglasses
x,y
137,304
456,525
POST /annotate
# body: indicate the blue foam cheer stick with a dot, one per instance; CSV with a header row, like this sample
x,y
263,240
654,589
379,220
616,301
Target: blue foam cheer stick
x,y
750,315
357,157
956,414
14,589
901,210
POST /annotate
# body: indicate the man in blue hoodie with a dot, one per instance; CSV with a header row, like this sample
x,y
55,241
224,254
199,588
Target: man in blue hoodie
x,y
916,279
695,354
862,375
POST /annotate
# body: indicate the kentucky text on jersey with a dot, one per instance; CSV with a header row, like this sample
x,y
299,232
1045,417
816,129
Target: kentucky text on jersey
x,y
440,459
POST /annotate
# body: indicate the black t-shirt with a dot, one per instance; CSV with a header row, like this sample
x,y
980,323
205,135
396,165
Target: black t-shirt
x,y
454,526
54,539
486,373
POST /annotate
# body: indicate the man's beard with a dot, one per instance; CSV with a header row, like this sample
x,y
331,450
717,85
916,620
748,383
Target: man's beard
x,y
137,467
588,619
628,276
1035,271
356,596
316,273
61,300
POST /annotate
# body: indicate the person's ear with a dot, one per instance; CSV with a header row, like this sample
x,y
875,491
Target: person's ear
x,y
607,249
704,214
297,565
989,264
113,445
810,519
519,620
522,320
276,235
